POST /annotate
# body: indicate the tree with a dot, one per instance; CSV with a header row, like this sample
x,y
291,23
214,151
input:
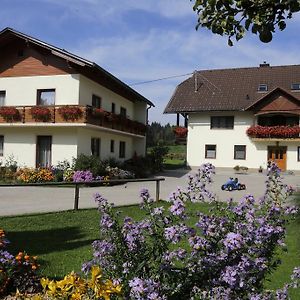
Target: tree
x,y
235,17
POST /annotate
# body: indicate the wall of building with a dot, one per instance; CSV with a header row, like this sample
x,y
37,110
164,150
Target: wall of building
x,y
84,143
21,144
23,90
89,87
200,134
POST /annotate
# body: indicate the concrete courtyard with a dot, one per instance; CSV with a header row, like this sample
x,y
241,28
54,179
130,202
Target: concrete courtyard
x,y
27,200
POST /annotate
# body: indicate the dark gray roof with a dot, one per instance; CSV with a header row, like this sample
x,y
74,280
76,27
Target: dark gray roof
x,y
231,89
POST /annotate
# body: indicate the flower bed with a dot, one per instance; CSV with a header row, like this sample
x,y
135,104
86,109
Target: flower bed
x,y
40,113
180,132
71,113
10,113
273,131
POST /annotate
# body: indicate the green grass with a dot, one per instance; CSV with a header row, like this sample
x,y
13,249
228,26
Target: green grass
x,y
62,241
177,149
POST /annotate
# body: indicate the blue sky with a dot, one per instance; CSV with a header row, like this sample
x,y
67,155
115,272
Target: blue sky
x,y
140,40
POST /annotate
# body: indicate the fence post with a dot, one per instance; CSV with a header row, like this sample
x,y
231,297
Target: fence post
x,y
76,200
157,189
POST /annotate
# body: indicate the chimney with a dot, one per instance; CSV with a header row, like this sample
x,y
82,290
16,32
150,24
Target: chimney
x,y
264,64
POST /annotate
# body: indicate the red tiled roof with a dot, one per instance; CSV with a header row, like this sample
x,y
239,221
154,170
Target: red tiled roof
x,y
231,89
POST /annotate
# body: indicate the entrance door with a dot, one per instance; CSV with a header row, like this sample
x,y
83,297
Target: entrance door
x,y
278,155
43,151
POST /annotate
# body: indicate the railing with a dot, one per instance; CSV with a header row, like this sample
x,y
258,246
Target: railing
x,y
77,185
70,114
281,132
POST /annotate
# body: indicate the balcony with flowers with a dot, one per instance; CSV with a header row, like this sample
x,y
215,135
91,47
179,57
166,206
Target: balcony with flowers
x,y
180,134
276,133
69,114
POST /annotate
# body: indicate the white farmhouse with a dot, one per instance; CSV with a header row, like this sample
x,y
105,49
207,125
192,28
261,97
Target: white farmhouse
x,y
55,105
242,116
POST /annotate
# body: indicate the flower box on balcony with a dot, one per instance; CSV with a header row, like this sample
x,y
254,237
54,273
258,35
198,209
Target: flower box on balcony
x,y
70,113
284,132
99,112
10,113
40,113
180,132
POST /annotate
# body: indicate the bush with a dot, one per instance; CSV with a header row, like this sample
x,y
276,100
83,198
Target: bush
x,y
90,163
156,157
29,175
227,254
17,273
138,165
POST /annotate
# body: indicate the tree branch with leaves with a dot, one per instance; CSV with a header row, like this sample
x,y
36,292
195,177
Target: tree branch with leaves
x,y
233,18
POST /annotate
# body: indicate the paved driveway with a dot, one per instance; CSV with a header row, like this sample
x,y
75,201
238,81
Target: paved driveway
x,y
24,200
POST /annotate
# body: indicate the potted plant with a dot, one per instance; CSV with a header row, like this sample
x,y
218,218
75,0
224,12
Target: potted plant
x,y
40,113
71,113
10,113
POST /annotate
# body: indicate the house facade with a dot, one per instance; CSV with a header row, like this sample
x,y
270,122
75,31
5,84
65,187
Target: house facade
x,y
243,116
55,105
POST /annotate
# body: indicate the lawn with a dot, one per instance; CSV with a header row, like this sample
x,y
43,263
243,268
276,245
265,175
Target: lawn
x,y
176,157
62,241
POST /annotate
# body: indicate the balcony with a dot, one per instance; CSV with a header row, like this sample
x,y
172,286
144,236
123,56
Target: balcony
x,y
70,114
274,133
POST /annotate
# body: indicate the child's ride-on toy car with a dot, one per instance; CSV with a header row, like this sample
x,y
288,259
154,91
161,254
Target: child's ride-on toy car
x,y
233,184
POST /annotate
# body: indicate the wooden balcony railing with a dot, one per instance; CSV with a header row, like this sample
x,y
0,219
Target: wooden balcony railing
x,y
279,132
70,114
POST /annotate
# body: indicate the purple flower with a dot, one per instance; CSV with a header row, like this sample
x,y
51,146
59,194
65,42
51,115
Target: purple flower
x,y
233,241
178,208
83,176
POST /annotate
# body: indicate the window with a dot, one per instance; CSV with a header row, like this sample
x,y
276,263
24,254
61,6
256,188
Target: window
x,y
123,112
122,150
210,151
262,87
96,101
239,152
1,144
224,122
46,97
298,153
295,86
95,147
2,98
43,151
112,146
113,108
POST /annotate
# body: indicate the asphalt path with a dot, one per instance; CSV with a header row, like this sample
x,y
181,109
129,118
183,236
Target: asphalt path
x,y
28,200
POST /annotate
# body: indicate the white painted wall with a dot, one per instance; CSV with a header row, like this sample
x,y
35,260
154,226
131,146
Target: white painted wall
x,y
89,87
21,143
84,143
200,134
23,90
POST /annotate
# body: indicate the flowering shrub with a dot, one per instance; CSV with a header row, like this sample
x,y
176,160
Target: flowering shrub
x,y
40,113
30,175
274,131
75,287
10,113
180,131
68,175
16,272
225,255
83,176
70,112
117,173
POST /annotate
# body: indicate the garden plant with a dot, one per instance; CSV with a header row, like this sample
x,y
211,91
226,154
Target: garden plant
x,y
227,254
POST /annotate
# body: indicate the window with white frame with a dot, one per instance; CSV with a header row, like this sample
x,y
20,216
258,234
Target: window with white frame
x,y
221,122
112,146
239,152
96,101
122,150
46,97
2,98
210,151
1,144
95,147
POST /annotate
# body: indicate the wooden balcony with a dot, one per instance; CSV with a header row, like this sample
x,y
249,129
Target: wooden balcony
x,y
274,133
70,114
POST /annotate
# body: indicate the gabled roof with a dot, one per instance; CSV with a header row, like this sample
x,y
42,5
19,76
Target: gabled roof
x,y
231,89
84,66
277,90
